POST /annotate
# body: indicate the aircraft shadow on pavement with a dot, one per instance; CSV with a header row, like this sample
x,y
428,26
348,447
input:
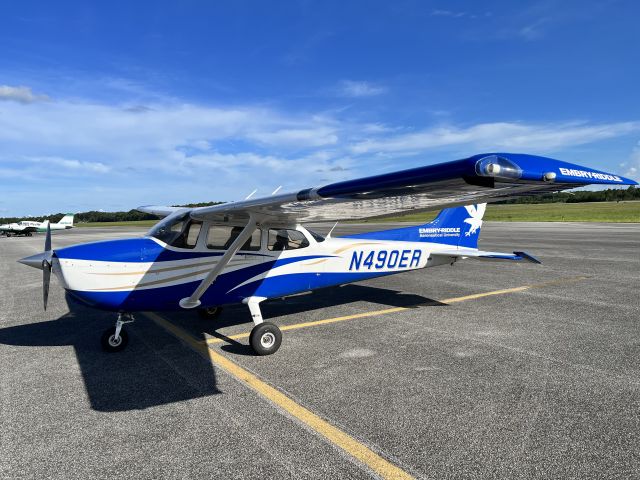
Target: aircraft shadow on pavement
x,y
299,304
153,370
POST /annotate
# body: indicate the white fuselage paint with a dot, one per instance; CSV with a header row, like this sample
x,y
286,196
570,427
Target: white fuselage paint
x,y
38,226
334,255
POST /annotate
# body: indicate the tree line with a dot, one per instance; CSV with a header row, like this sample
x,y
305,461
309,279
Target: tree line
x,y
609,195
97,216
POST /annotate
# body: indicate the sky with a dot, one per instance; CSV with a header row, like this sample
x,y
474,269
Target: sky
x,y
112,105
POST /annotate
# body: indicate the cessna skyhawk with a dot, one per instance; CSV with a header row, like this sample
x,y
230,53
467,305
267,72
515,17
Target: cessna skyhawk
x,y
248,251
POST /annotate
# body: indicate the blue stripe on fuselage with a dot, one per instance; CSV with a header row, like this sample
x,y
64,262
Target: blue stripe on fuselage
x,y
167,298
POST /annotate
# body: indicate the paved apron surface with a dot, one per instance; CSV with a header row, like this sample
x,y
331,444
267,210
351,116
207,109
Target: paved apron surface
x,y
528,383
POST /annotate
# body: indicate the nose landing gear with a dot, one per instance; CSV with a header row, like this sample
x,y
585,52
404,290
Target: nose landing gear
x,y
265,337
115,339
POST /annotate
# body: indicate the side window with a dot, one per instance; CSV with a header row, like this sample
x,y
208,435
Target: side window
x,y
286,240
220,237
186,234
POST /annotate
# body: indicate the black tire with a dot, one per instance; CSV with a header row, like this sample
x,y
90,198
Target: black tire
x,y
108,345
209,313
265,338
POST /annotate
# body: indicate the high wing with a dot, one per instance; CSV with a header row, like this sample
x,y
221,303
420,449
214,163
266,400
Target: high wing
x,y
159,210
481,178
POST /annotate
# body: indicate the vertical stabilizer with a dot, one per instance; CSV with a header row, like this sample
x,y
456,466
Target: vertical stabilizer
x,y
67,220
459,227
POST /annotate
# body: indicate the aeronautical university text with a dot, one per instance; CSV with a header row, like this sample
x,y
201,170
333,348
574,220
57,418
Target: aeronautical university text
x,y
431,232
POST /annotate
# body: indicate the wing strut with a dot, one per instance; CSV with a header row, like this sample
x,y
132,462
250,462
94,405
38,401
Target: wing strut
x,y
194,300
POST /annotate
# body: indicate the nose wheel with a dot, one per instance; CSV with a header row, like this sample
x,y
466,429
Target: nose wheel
x,y
265,337
115,339
114,343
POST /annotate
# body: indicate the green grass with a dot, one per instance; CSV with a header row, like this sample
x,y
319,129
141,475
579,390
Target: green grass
x,y
549,212
537,212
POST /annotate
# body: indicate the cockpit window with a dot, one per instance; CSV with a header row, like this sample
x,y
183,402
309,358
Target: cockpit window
x,y
189,235
282,239
178,231
220,237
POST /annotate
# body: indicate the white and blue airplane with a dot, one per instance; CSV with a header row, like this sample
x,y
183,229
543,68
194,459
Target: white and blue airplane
x,y
28,227
252,250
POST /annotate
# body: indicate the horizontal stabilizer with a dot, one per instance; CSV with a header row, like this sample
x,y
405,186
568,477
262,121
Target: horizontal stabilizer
x,y
479,254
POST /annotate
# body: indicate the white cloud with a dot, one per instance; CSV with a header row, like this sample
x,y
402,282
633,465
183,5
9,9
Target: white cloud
x,y
352,88
69,164
20,94
173,153
454,14
448,13
500,135
310,137
534,30
633,166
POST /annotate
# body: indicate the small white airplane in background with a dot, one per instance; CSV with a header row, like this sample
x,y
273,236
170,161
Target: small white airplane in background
x,y
249,251
27,227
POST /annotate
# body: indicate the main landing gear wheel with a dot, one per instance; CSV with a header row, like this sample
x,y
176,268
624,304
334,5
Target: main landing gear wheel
x,y
265,338
209,313
111,343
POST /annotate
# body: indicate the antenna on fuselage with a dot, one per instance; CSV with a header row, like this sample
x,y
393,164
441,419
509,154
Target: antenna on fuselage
x,y
332,228
276,190
251,194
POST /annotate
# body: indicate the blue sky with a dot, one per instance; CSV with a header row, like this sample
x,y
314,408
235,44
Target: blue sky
x,y
118,104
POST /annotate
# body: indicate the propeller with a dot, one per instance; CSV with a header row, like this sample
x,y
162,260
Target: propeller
x,y
46,267
43,261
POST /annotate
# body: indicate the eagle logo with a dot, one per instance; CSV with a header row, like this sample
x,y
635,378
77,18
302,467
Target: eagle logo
x,y
476,212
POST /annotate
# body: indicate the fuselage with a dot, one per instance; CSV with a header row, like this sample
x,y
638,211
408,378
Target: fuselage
x,y
27,226
148,274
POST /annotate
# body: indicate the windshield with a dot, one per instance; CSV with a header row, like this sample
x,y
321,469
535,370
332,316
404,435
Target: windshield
x,y
169,228
177,230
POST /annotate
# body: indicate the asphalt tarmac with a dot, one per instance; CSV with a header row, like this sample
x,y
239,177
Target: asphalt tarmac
x,y
465,375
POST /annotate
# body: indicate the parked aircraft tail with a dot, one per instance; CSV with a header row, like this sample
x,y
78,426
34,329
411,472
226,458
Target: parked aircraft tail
x,y
67,220
458,226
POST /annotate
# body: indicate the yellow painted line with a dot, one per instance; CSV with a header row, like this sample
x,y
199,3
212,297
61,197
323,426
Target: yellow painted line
x,y
314,323
336,436
485,294
376,313
559,281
